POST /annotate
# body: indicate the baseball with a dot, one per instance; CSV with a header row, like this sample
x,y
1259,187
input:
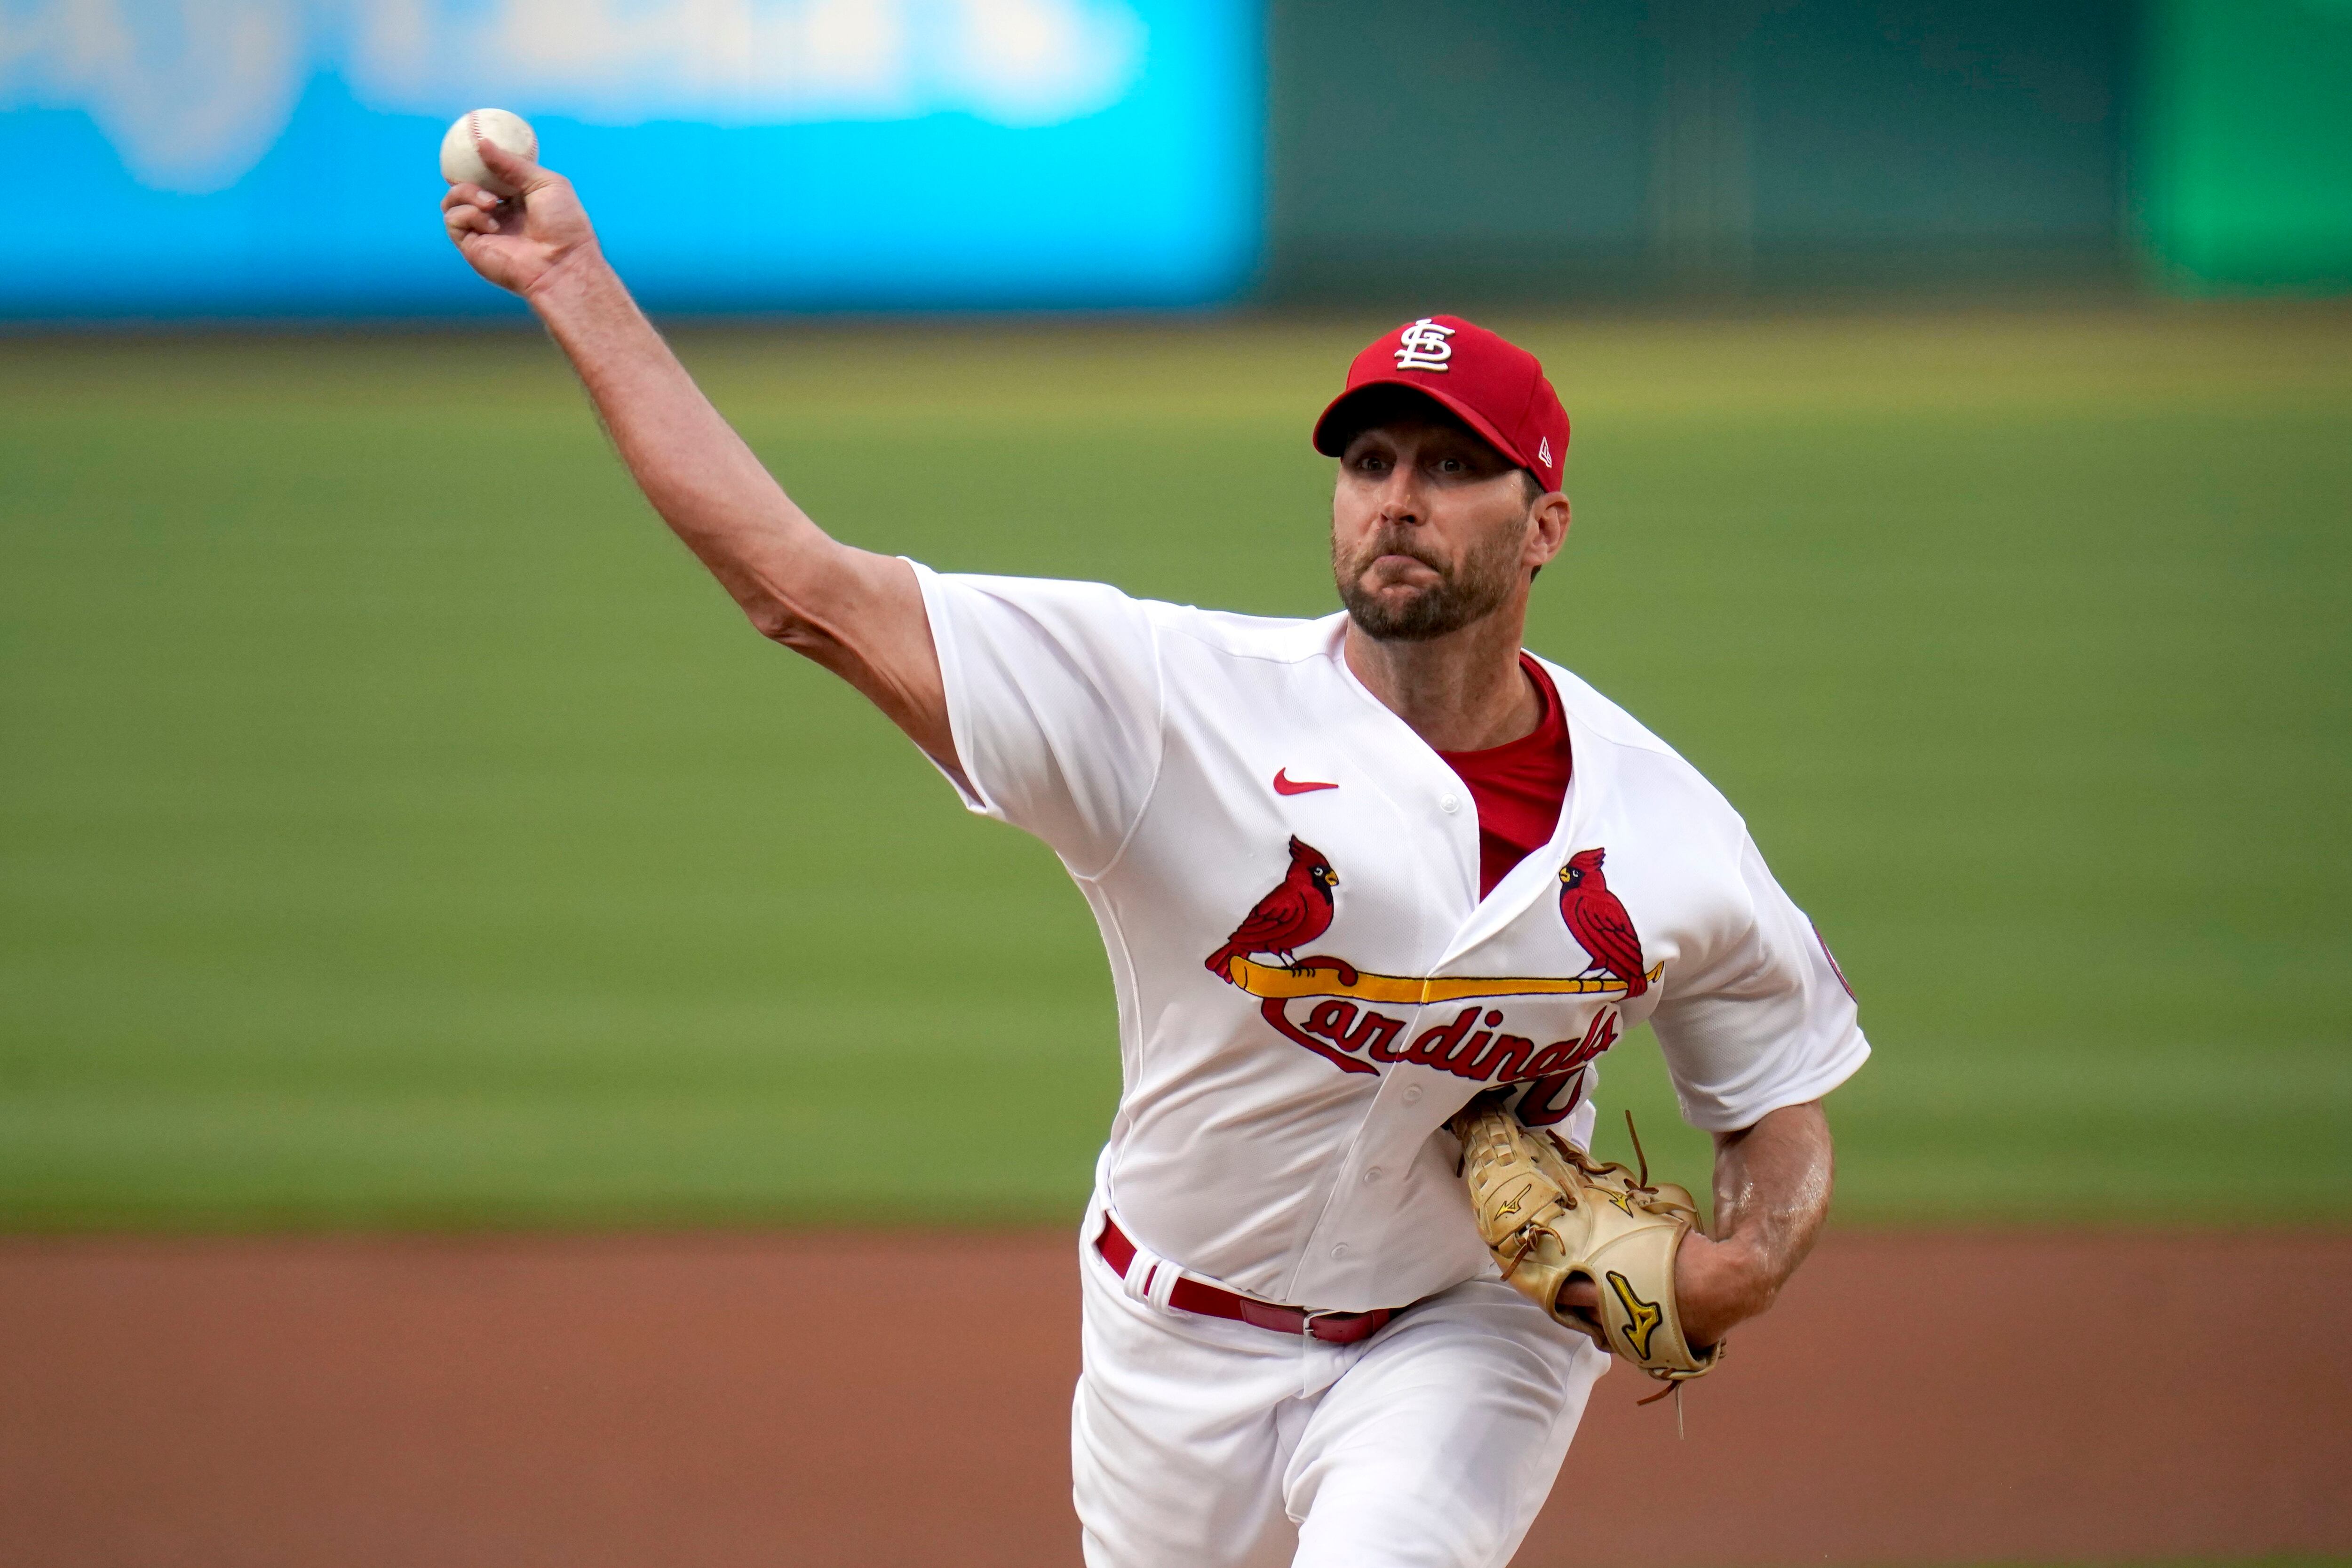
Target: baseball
x,y
461,158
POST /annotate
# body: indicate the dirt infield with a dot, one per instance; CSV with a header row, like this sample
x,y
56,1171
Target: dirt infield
x,y
722,1400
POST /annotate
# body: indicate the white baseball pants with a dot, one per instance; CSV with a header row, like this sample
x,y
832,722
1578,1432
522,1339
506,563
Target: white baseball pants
x,y
1200,1443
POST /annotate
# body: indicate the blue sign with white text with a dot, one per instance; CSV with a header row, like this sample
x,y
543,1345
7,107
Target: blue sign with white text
x,y
173,158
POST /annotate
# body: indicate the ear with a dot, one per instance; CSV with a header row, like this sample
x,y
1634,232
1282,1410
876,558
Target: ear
x,y
1547,522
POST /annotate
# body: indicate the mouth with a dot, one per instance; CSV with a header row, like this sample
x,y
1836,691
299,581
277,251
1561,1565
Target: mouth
x,y
1396,564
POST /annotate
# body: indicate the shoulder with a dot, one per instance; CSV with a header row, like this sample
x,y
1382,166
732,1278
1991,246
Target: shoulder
x,y
1637,764
1049,596
1273,639
1678,852
1282,639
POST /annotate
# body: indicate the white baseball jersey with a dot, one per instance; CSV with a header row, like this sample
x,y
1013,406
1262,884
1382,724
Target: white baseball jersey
x,y
1281,1130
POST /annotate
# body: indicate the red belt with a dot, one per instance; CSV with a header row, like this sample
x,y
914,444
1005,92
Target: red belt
x,y
1208,1302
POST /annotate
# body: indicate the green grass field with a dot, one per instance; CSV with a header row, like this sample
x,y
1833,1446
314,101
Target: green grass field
x,y
395,829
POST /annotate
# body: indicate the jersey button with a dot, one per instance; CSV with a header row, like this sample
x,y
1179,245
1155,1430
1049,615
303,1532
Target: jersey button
x,y
1449,804
1371,1175
1340,1250
1412,1093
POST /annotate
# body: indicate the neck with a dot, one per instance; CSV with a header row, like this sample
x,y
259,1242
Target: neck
x,y
1462,692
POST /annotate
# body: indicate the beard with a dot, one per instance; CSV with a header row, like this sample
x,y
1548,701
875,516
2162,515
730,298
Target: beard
x,y
1465,591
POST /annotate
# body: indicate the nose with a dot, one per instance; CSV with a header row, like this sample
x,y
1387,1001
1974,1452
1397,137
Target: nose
x,y
1398,501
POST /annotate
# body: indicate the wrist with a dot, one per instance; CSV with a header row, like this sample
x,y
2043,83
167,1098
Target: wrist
x,y
1719,1284
1743,1262
573,281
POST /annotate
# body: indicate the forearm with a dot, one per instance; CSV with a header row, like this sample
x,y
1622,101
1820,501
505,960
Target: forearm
x,y
859,615
698,473
1772,1183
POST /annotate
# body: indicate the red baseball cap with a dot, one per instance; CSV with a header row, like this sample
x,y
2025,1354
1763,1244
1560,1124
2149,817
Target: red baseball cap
x,y
1495,387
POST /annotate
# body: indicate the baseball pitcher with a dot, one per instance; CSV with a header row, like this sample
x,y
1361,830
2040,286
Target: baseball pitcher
x,y
1379,889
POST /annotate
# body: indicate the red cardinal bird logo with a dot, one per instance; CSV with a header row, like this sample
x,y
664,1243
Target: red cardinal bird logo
x,y
1598,922
1286,919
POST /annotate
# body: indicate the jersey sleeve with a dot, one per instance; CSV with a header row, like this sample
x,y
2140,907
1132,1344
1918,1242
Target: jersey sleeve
x,y
1763,1019
1055,699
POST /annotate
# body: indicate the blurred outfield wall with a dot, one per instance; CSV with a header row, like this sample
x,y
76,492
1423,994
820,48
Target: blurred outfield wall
x,y
1529,148
275,157
1534,150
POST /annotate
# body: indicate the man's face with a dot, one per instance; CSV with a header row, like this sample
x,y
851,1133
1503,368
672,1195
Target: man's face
x,y
1430,528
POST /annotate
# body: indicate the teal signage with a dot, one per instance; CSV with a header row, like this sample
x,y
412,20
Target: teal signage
x,y
277,157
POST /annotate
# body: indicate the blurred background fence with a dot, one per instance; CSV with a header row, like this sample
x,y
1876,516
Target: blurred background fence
x,y
175,157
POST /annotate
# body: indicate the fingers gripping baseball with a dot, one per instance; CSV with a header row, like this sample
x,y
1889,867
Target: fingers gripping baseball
x,y
519,241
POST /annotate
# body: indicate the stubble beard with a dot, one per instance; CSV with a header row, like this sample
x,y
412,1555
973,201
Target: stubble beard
x,y
1470,590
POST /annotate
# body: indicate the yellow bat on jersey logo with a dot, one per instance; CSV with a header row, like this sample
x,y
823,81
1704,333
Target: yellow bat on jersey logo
x,y
1323,976
1645,1315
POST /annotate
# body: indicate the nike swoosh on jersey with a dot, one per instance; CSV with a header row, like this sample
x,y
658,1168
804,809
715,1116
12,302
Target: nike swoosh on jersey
x,y
1285,784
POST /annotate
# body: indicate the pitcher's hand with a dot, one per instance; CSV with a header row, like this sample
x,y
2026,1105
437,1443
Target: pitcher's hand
x,y
517,242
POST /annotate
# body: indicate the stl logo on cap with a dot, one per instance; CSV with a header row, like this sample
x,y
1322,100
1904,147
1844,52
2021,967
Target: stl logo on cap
x,y
1422,346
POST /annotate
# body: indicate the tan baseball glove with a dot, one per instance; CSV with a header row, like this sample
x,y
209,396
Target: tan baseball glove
x,y
1550,1214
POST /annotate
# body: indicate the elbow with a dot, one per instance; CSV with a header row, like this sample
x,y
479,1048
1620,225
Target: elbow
x,y
773,619
780,623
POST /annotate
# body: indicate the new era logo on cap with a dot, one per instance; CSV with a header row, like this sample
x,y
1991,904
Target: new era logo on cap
x,y
1495,387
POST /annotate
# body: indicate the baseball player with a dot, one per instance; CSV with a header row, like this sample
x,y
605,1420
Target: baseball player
x,y
1363,880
